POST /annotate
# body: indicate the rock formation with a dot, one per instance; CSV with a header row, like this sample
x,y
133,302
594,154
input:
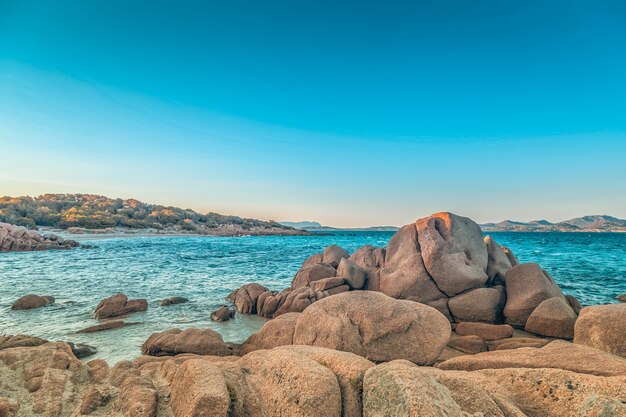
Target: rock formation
x,y
19,239
31,301
603,327
118,305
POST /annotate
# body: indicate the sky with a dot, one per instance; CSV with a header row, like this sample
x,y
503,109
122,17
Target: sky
x,y
347,113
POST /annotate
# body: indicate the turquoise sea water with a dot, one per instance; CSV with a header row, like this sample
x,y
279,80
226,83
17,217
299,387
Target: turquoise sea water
x,y
206,269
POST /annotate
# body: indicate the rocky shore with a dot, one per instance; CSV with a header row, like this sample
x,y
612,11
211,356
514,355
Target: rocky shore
x,y
441,322
19,239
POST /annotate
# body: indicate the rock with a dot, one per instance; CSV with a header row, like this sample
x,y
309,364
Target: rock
x,y
118,305
404,275
374,326
276,332
297,300
327,283
509,254
222,314
497,261
19,239
288,384
20,340
107,325
269,301
338,290
317,258
173,300
198,388
348,368
480,304
556,392
603,327
557,354
399,388
31,301
353,274
574,303
333,254
527,285
306,276
517,343
368,256
81,350
468,344
454,252
245,298
553,318
484,330
621,298
175,341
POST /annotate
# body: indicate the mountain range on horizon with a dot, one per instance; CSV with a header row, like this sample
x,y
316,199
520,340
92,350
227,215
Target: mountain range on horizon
x,y
589,223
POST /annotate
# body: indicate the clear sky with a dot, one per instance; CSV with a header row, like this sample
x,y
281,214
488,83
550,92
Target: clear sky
x,y
348,113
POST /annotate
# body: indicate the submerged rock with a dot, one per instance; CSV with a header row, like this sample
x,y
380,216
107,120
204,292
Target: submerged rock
x,y
31,301
222,314
118,305
374,326
107,325
173,300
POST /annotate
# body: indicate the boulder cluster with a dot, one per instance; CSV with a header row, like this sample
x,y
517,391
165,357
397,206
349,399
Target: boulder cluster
x,y
441,261
20,239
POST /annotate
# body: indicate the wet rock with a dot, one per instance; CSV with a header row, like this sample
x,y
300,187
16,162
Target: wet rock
x,y
333,254
527,285
480,304
374,326
276,332
454,252
621,298
245,297
222,314
353,274
553,318
484,330
316,272
173,300
603,327
557,354
81,350
175,341
31,301
119,305
107,325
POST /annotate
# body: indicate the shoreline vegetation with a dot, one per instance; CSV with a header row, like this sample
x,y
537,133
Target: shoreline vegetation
x,y
96,214
441,321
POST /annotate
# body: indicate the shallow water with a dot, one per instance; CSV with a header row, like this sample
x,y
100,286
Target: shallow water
x,y
206,269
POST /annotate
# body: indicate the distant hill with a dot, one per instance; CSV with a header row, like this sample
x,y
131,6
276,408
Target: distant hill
x,y
87,213
596,223
317,227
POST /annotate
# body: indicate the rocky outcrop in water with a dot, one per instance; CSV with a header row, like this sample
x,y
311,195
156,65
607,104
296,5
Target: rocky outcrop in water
x,y
19,239
31,301
119,305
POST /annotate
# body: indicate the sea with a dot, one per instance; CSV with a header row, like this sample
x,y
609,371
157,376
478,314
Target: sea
x,y
590,266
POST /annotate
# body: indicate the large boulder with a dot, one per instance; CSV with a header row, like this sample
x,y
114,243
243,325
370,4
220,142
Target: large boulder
x,y
118,305
557,354
353,274
553,318
31,301
370,259
276,332
333,254
311,274
175,341
454,252
527,286
480,304
603,327
498,262
375,326
404,275
245,297
288,384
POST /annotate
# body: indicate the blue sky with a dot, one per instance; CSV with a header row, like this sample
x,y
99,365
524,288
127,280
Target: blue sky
x,y
351,114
